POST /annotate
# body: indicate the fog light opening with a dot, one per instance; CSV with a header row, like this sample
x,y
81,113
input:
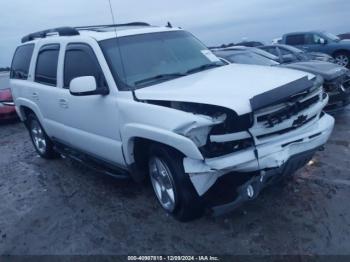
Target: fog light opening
x,y
250,191
311,163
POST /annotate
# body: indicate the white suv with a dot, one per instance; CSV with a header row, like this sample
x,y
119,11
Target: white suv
x,y
140,100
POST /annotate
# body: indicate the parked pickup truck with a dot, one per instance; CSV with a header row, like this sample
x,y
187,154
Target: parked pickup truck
x,y
320,41
142,101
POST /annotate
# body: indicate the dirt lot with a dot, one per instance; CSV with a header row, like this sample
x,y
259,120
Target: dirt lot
x,y
60,207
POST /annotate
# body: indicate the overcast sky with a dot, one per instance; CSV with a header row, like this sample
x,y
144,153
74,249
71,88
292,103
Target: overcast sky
x,y
213,21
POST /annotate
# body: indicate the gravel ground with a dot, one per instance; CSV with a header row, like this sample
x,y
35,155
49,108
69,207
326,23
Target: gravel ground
x,y
60,207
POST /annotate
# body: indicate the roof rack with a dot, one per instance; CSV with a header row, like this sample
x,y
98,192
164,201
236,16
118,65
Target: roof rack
x,y
71,31
61,31
92,27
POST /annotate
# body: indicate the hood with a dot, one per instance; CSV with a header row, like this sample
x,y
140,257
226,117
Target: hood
x,y
327,70
231,86
345,43
318,54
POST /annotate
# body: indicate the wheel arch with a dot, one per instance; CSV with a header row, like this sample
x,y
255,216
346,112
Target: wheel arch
x,y
134,132
137,139
24,107
338,51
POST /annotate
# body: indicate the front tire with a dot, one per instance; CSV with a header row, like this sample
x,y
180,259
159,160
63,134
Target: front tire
x,y
42,143
342,58
172,186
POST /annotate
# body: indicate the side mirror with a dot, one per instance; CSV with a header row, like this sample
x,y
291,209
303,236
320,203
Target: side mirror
x,y
322,41
85,86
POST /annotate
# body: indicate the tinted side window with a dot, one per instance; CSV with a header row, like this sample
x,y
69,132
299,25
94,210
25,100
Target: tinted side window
x,y
285,52
46,65
272,50
295,40
80,60
314,39
21,62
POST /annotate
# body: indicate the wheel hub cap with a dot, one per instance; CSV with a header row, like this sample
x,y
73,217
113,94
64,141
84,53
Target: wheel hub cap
x,y
342,60
162,183
38,137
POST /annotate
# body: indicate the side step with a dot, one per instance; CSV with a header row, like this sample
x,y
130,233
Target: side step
x,y
97,165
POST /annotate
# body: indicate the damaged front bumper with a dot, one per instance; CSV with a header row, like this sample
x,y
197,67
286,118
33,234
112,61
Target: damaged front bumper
x,y
271,154
252,188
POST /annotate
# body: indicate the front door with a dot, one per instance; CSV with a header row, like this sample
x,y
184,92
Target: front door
x,y
92,121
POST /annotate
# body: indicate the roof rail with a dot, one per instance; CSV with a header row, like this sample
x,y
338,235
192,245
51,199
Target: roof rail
x,y
61,31
70,31
92,27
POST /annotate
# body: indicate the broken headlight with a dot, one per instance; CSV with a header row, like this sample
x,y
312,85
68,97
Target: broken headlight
x,y
199,135
214,149
214,120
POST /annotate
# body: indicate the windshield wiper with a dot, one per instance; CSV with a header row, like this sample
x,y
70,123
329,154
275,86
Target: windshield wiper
x,y
159,77
202,68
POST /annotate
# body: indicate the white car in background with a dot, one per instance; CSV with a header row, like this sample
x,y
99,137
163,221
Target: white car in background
x,y
146,101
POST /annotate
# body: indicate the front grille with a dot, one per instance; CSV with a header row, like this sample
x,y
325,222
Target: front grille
x,y
283,131
287,111
298,111
346,83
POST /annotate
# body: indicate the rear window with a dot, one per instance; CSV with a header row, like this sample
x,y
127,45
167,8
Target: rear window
x,y
295,40
46,65
21,62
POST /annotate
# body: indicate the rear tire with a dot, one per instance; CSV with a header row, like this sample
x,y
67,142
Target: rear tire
x,y
42,143
342,58
172,186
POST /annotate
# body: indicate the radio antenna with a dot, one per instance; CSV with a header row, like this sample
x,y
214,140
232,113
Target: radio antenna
x,y
112,14
118,46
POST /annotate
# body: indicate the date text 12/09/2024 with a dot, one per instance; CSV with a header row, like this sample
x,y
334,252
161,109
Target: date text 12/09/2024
x,y
173,258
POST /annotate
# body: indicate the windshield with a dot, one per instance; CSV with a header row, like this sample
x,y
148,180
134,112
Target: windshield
x,y
331,36
248,58
141,60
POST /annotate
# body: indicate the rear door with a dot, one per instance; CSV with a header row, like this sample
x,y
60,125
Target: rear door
x,y
297,40
44,89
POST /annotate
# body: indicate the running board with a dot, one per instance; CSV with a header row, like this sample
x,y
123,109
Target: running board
x,y
95,164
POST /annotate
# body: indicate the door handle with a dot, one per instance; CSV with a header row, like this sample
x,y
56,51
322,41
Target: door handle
x,y
63,103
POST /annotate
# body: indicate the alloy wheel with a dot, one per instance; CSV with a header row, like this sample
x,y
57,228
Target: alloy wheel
x,y
38,137
162,183
342,60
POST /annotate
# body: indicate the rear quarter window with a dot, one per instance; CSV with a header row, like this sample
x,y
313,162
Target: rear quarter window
x,y
21,62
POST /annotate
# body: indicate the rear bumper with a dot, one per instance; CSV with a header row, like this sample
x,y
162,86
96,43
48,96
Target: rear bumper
x,y
252,188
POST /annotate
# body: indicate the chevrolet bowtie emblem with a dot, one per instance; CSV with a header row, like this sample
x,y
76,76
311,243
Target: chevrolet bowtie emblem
x,y
299,121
